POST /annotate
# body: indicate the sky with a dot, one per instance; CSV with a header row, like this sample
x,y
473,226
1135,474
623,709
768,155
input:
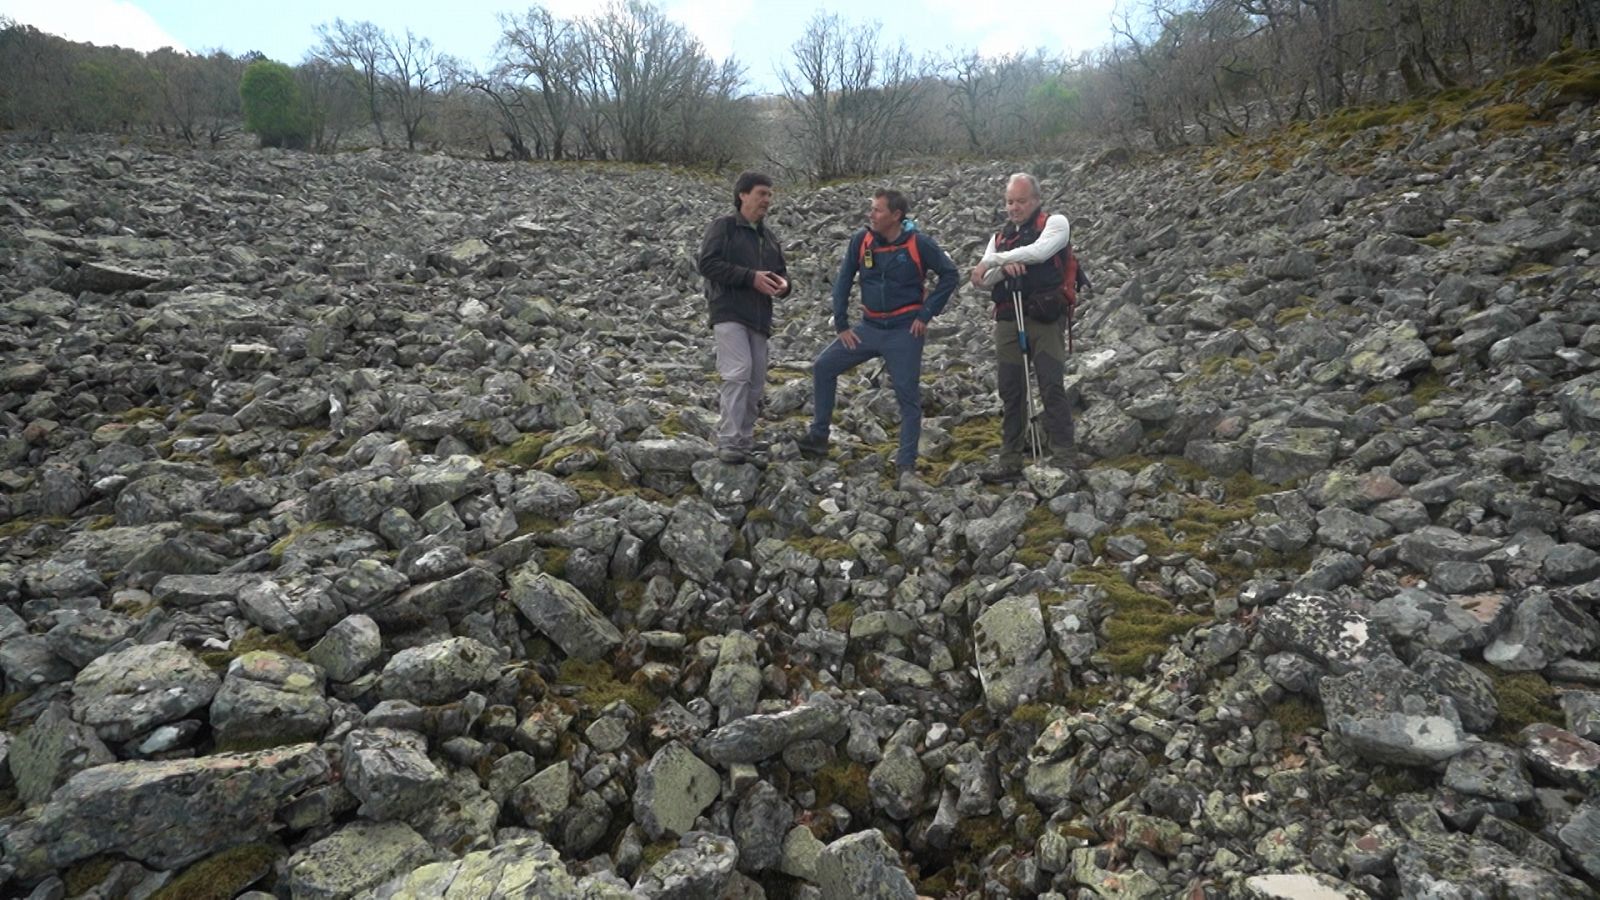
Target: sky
x,y
758,33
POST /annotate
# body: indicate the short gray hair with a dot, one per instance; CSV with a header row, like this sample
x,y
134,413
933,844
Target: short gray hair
x,y
1032,182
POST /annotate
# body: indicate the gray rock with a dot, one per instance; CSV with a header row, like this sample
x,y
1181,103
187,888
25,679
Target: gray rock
x,y
1318,627
862,865
357,857
701,866
562,611
1312,886
1562,756
124,694
304,611
758,737
696,541
348,649
674,787
1490,770
51,750
543,797
1447,624
1289,455
988,536
1580,837
1390,714
163,814
760,824
1384,355
735,684
389,772
522,867
269,699
439,672
1428,861
1012,652
1544,628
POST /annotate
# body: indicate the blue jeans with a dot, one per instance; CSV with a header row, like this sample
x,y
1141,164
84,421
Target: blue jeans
x,y
903,355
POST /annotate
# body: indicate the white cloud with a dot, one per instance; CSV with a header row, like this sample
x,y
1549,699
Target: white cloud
x,y
106,23
712,21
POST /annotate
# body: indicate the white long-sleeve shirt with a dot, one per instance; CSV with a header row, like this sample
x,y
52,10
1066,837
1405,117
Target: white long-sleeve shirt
x,y
1056,234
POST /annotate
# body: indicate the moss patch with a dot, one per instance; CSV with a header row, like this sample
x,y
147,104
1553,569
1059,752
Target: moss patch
x,y
1296,714
822,547
1140,626
525,451
251,640
88,874
1523,698
841,615
844,782
599,687
1042,533
221,876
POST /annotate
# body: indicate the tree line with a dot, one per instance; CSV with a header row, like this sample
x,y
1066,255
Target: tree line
x,y
627,83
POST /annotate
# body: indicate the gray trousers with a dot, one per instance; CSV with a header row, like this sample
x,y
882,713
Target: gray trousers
x,y
1047,355
742,366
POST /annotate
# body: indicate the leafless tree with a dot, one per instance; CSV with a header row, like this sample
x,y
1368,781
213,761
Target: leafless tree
x,y
358,47
848,96
412,75
535,84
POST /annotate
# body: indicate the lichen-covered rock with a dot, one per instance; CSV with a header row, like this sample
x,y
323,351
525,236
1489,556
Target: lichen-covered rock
x,y
863,866
757,737
1318,627
390,773
269,698
129,692
50,751
1012,651
523,867
1390,714
701,866
164,814
674,787
439,672
357,857
562,611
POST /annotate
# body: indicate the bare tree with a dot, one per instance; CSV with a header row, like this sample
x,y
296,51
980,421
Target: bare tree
x,y
535,86
641,66
358,47
198,95
335,99
848,97
412,74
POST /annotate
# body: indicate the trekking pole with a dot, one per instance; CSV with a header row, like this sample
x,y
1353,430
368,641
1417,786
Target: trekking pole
x,y
1027,370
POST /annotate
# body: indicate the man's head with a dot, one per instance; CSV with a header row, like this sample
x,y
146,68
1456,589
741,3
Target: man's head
x,y
752,195
888,213
1022,197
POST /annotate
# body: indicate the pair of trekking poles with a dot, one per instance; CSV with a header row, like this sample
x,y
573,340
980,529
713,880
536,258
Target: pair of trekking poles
x,y
1029,395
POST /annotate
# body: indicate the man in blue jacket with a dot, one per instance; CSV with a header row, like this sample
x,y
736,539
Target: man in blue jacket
x,y
891,259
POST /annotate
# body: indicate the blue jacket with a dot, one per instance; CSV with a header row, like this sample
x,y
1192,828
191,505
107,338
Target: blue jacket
x,y
893,292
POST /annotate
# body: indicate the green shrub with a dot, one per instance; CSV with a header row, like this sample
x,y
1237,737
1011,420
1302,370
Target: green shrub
x,y
274,109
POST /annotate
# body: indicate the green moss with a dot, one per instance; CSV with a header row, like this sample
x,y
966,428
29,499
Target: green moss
x,y
1394,781
555,561
1437,240
1140,626
823,547
760,515
844,782
981,834
1244,486
22,526
253,639
1523,699
599,686
1296,714
784,375
524,452
1291,315
1037,714
1229,273
9,702
841,615
1042,533
975,440
1427,388
142,414
81,877
672,425
629,594
277,550
652,853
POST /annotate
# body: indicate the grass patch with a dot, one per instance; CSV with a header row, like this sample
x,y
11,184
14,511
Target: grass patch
x,y
84,876
651,854
1427,388
599,687
17,527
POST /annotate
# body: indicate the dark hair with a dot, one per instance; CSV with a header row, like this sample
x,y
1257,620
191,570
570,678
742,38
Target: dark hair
x,y
747,182
895,200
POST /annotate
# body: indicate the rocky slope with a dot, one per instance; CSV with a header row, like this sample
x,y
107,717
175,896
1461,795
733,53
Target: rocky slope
x,y
362,537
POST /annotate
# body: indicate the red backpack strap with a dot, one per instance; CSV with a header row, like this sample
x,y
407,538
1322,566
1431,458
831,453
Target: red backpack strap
x,y
916,258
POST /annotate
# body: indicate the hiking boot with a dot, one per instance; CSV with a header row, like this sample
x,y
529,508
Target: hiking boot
x,y
1003,470
811,446
733,456
910,483
1069,459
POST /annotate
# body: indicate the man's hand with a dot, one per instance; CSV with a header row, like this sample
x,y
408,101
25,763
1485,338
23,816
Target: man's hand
x,y
849,339
918,328
769,283
1016,270
978,272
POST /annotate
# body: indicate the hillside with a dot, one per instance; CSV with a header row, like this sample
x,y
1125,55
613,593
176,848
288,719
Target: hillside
x,y
362,533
